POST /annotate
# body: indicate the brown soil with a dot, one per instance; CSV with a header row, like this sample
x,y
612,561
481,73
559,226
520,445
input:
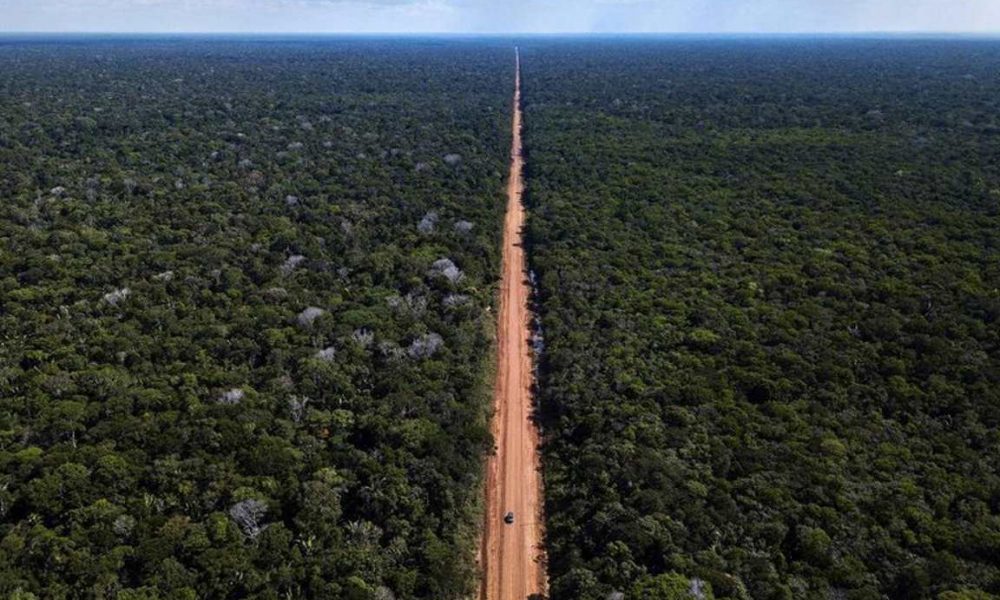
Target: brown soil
x,y
512,555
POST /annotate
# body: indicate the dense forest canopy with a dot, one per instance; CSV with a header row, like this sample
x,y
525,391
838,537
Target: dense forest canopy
x,y
768,282
244,325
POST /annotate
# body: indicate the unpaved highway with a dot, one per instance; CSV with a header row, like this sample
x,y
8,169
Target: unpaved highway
x,y
512,557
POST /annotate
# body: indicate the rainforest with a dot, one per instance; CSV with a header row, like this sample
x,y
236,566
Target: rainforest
x,y
768,283
244,292
261,298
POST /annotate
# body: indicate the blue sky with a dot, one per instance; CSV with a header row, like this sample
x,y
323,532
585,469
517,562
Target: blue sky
x,y
502,16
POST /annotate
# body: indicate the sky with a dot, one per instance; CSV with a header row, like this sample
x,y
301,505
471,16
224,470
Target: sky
x,y
501,16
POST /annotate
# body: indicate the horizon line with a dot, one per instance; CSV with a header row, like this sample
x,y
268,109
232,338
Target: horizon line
x,y
853,33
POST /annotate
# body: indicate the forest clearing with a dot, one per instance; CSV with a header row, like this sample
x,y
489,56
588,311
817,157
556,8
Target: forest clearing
x,y
513,562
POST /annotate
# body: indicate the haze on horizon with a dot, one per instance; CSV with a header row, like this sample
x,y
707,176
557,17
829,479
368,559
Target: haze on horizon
x,y
507,16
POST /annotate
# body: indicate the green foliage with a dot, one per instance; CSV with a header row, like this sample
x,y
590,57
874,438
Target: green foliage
x,y
965,594
172,426
768,276
670,586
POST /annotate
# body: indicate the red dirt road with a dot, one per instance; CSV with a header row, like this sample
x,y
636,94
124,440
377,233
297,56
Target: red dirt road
x,y
512,555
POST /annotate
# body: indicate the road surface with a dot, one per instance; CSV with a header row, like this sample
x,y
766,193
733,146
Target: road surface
x,y
512,557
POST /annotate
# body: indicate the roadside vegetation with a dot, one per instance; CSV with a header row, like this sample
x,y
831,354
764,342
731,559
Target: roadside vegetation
x,y
768,276
244,336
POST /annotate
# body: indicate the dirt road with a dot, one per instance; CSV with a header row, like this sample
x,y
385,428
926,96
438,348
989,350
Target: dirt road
x,y
512,557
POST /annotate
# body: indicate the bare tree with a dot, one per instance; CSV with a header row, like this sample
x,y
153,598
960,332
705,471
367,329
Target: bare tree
x,y
310,314
428,224
249,516
697,589
297,407
116,296
413,304
425,346
364,337
444,267
291,263
232,397
384,593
